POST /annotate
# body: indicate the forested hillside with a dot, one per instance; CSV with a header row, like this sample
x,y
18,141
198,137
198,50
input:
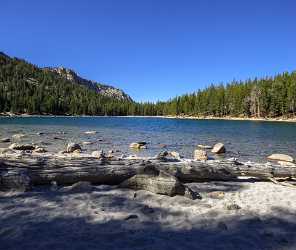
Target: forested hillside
x,y
269,97
25,88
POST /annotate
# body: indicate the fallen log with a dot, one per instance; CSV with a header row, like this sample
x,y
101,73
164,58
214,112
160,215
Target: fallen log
x,y
69,170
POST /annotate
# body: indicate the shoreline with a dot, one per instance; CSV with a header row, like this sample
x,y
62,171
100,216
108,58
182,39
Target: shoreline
x,y
181,117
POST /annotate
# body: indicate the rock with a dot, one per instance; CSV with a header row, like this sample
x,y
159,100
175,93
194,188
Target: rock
x,y
162,155
286,164
175,155
81,186
58,138
90,132
162,145
77,151
216,195
87,142
71,147
18,136
200,155
151,179
219,148
98,154
40,133
5,140
16,146
138,145
40,150
281,157
204,146
233,207
131,216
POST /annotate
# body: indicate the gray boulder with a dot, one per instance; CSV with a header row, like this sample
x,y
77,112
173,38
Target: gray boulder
x,y
219,148
151,179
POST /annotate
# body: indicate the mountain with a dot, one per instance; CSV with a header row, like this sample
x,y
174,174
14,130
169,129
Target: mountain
x,y
27,88
99,88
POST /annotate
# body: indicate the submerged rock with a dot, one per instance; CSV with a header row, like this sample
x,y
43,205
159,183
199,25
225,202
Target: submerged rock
x,y
5,140
200,155
281,157
71,147
219,148
18,136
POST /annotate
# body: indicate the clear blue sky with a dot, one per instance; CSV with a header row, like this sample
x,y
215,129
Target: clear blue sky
x,y
154,49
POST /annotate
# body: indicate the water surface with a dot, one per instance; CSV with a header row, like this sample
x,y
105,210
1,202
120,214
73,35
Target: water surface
x,y
247,140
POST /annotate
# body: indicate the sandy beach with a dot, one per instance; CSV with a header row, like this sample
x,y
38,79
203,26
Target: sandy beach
x,y
257,215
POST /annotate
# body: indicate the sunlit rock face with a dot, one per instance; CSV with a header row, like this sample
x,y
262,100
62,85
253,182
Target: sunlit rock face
x,y
102,89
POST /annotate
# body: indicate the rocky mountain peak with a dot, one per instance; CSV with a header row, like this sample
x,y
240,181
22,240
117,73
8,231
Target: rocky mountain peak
x,y
99,88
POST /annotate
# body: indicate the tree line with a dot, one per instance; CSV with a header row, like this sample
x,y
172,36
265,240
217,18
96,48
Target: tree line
x,y
25,88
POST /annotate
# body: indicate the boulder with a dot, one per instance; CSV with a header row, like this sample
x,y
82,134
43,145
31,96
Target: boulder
x,y
219,148
157,181
98,154
71,147
16,146
162,155
175,155
138,145
280,157
18,136
204,146
200,155
5,140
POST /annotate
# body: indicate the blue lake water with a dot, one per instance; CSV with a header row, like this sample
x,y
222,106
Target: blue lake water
x,y
247,140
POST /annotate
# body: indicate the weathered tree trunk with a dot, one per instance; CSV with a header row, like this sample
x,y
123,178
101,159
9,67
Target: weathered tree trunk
x,y
66,171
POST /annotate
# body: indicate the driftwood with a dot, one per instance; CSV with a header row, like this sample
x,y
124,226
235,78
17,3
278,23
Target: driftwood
x,y
38,170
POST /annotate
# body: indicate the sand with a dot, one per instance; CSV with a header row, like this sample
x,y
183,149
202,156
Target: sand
x,y
257,215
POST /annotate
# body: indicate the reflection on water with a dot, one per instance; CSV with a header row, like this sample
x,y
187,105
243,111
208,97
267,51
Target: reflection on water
x,y
247,140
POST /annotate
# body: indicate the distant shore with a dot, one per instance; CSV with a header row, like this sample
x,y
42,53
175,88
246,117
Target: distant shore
x,y
185,117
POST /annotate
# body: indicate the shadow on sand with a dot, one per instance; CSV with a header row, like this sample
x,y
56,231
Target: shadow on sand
x,y
36,220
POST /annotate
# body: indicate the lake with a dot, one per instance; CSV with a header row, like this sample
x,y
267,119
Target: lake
x,y
246,140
